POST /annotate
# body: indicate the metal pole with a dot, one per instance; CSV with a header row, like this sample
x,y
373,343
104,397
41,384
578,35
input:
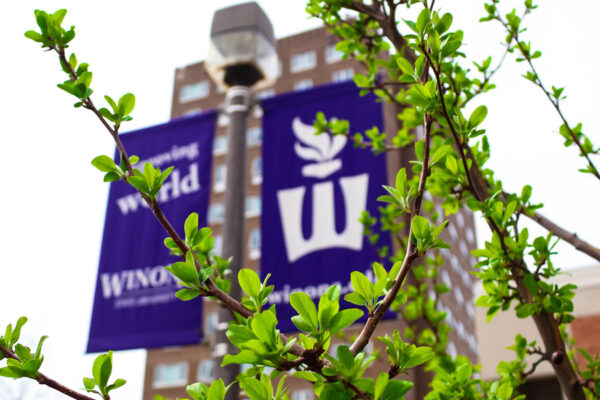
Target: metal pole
x,y
237,103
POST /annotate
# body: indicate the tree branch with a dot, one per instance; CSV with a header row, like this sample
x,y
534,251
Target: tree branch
x,y
569,237
45,380
411,254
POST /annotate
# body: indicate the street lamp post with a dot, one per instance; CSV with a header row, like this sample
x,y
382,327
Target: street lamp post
x,y
241,56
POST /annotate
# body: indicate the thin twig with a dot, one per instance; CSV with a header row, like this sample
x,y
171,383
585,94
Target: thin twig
x,y
555,103
410,256
569,237
45,380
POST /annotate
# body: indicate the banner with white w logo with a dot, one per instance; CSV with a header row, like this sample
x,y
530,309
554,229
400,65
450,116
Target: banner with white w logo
x,y
315,188
135,304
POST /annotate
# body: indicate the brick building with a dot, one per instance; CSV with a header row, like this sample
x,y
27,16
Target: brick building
x,y
305,60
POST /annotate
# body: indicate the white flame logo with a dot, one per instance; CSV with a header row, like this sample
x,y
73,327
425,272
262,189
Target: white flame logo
x,y
321,148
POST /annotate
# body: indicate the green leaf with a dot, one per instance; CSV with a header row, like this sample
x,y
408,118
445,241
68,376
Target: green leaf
x,y
112,104
185,272
361,285
263,326
217,390
89,384
33,35
249,282
309,376
243,357
405,66
504,391
139,183
344,319
303,304
526,193
24,353
126,104
191,225
530,283
302,324
117,384
101,369
525,310
440,153
111,177
38,351
187,294
345,356
361,80
422,20
477,116
104,164
585,354
355,298
420,227
12,372
16,333
396,389
254,389
463,373
197,390
419,356
239,334
380,384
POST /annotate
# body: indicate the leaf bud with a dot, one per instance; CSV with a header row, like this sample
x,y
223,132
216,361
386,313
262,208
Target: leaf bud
x,y
558,357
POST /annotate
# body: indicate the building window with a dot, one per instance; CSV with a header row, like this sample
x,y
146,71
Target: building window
x,y
216,213
303,61
303,84
256,170
463,248
446,278
257,111
254,136
332,55
253,205
210,323
470,235
167,375
194,91
459,297
303,394
460,219
220,178
193,111
220,145
265,94
206,369
218,244
279,68
254,244
223,119
342,75
451,349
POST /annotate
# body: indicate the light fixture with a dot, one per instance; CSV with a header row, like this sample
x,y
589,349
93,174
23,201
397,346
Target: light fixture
x,y
242,48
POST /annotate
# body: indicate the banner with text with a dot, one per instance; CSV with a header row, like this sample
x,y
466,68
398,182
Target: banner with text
x,y
315,188
135,304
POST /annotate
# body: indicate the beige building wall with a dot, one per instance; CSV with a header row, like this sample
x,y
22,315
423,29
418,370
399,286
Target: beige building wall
x,y
494,337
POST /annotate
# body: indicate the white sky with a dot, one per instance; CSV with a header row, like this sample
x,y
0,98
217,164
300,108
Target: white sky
x,y
53,201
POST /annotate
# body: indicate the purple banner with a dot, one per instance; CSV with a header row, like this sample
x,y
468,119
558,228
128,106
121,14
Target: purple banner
x,y
135,304
314,190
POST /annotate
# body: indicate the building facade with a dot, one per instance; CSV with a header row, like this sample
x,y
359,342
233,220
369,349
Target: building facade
x,y
494,337
306,60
